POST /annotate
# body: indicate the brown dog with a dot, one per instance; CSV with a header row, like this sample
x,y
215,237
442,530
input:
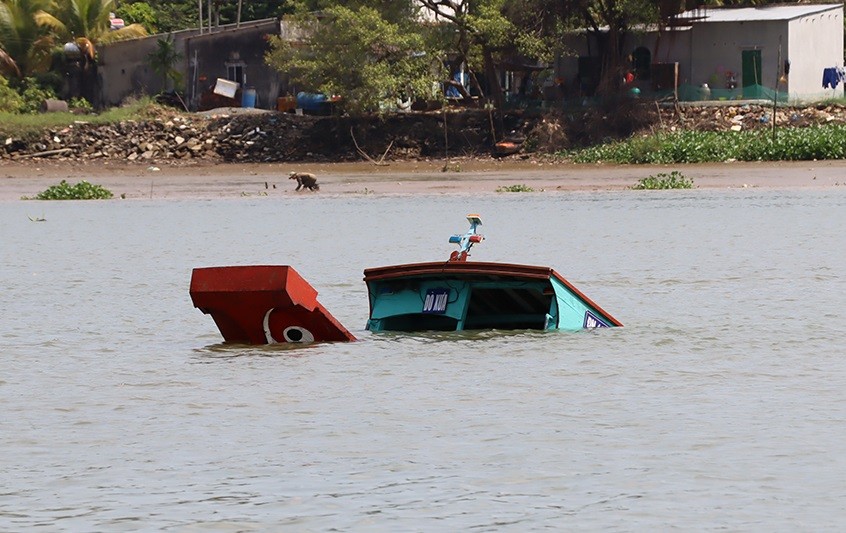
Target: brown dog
x,y
305,179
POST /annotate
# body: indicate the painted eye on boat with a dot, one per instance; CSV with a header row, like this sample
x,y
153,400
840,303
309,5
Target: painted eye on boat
x,y
297,334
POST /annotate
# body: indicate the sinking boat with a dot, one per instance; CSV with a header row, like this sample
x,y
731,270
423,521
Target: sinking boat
x,y
274,304
264,304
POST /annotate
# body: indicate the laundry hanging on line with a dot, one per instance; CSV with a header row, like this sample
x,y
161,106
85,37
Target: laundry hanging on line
x,y
832,76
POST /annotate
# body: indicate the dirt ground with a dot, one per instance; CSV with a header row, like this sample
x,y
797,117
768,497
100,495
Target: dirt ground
x,y
472,176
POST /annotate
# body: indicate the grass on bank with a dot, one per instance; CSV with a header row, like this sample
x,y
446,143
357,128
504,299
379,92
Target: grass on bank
x,y
790,144
23,125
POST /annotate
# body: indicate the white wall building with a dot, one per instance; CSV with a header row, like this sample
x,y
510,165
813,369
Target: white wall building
x,y
716,46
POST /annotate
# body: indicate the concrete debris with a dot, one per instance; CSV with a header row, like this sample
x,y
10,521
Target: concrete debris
x,y
283,137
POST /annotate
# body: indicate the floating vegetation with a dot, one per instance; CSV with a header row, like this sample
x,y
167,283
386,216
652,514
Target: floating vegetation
x,y
81,191
515,188
662,180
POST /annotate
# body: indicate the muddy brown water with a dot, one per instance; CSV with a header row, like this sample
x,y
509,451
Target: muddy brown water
x,y
719,405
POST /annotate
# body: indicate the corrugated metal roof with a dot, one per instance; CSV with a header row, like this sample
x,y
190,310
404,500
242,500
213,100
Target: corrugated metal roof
x,y
750,14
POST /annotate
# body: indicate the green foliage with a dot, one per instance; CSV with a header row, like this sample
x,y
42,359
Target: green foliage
x,y
80,104
81,191
173,16
31,126
33,94
673,180
395,11
515,188
358,55
163,61
10,100
26,43
790,144
139,13
85,22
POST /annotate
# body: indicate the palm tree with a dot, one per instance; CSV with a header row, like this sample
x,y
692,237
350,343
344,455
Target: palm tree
x,y
25,46
86,22
163,60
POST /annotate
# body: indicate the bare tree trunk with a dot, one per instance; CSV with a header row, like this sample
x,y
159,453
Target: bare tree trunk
x,y
238,20
495,89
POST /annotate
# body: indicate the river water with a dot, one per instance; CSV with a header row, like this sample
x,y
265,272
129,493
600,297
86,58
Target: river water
x,y
720,405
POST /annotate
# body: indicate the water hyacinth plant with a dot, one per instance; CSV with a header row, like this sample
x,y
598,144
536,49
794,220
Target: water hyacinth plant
x,y
515,188
81,191
790,144
673,180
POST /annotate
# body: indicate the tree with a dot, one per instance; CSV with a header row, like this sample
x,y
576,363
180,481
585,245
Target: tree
x,y
85,22
163,60
25,47
358,55
482,33
139,13
617,17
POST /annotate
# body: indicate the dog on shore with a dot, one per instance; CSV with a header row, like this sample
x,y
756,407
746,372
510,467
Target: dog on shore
x,y
305,180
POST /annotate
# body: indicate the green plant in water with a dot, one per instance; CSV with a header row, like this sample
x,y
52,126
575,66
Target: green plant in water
x,y
81,191
515,188
673,180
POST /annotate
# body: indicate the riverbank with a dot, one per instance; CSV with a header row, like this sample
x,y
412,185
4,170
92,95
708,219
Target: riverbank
x,y
463,176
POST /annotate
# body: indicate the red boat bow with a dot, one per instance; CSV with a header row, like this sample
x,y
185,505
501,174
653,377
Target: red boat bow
x,y
264,305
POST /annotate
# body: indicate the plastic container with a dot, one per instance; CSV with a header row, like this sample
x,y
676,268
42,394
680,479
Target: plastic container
x,y
226,88
311,101
285,104
248,98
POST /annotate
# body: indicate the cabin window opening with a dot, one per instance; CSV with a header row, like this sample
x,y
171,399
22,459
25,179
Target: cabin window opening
x,y
419,322
236,72
508,308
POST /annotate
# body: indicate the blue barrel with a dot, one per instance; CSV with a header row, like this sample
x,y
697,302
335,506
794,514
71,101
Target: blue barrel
x,y
248,98
311,101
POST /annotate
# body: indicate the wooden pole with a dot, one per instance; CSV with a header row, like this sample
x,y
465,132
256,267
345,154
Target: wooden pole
x,y
775,93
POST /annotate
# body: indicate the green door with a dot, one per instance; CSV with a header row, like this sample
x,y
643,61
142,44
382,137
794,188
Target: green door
x,y
751,73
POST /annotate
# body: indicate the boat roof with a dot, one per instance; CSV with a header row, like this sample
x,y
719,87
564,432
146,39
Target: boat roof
x,y
469,269
458,268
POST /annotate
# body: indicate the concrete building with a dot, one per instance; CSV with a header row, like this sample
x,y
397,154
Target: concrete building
x,y
231,52
729,53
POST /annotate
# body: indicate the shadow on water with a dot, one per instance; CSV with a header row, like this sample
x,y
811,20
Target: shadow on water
x,y
225,350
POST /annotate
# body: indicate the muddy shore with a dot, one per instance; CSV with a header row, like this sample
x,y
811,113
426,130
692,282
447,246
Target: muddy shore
x,y
470,176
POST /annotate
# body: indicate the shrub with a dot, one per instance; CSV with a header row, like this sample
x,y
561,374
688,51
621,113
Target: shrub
x,y
33,95
790,144
10,100
673,180
81,105
81,191
515,188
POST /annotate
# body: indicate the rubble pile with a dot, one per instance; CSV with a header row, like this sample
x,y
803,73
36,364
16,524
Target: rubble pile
x,y
285,137
172,139
749,117
280,137
262,137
